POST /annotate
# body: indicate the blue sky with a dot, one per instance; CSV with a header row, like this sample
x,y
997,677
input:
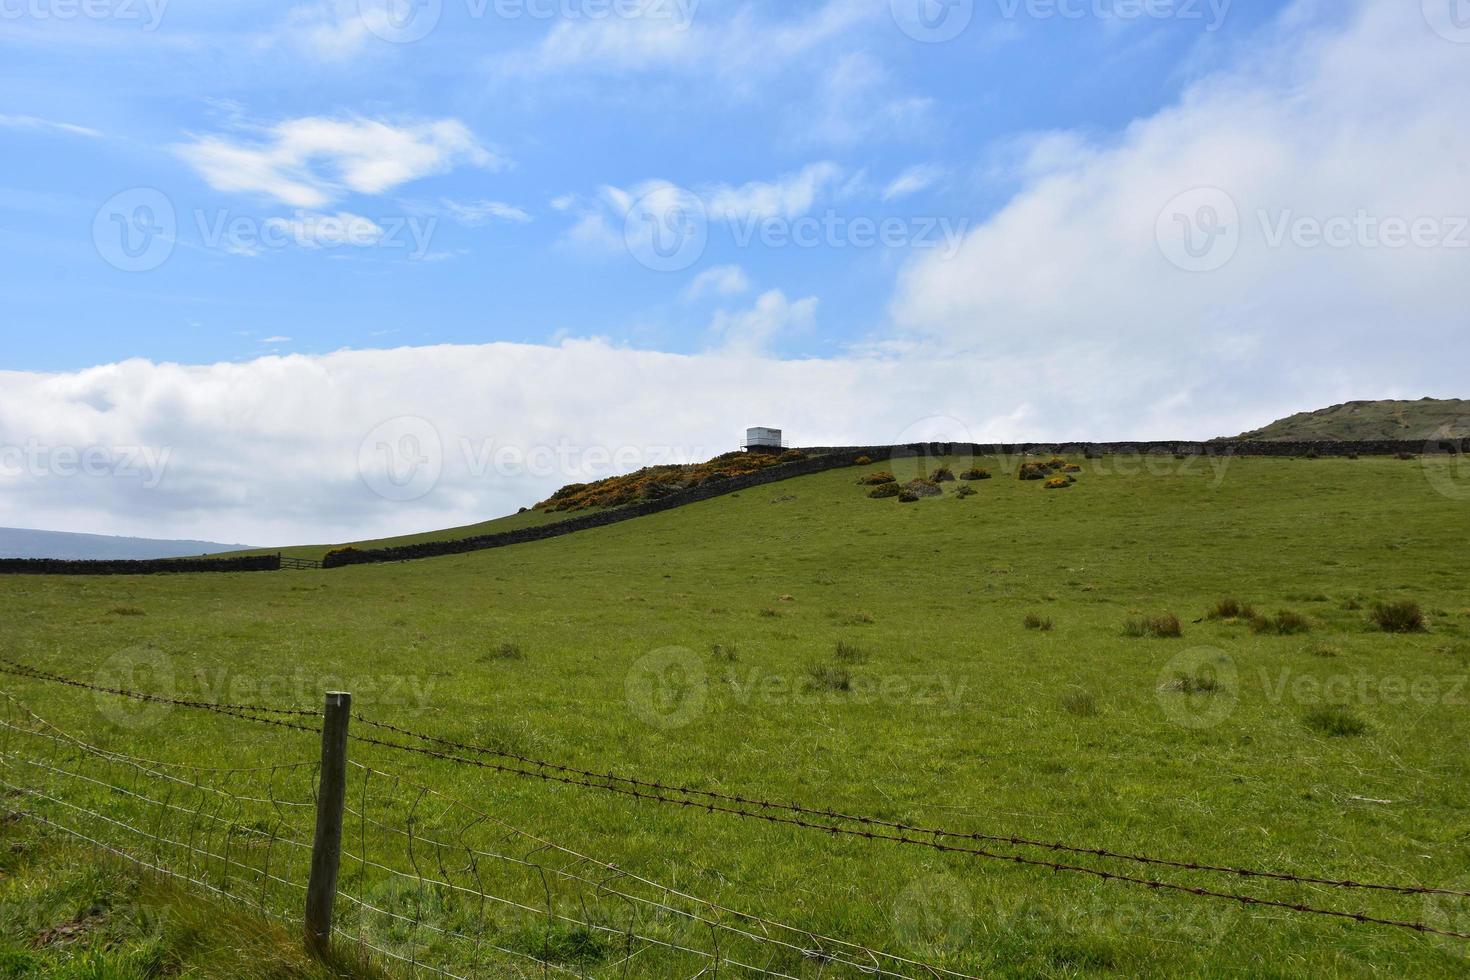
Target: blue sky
x,y
263,247
850,90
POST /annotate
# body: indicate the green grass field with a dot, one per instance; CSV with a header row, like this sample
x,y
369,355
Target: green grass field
x,y
698,647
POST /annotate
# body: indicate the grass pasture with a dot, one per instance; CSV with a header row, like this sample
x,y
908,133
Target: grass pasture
x,y
804,642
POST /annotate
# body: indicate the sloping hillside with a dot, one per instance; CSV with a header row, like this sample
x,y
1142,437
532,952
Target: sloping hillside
x,y
982,661
1427,418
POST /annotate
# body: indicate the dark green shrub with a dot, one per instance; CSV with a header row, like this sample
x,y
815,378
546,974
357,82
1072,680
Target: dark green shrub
x,y
862,461
1033,471
885,490
877,479
850,653
1058,483
1036,622
942,474
923,488
975,473
908,497
1404,616
964,491
1407,456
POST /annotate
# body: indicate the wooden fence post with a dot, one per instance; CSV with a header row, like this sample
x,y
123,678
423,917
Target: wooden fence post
x,y
326,850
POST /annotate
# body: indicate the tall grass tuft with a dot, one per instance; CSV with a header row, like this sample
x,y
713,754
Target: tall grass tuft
x,y
1403,616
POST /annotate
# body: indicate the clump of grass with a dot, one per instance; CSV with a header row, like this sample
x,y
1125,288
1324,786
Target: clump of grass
x,y
860,618
878,479
1335,721
1230,608
1033,471
504,651
1284,623
725,652
850,653
1162,626
828,677
1037,622
965,491
1079,703
769,613
975,473
1403,616
942,474
126,611
1324,650
886,491
1200,682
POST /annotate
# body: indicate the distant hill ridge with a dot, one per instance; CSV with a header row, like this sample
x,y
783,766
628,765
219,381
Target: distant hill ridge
x,y
18,542
1425,419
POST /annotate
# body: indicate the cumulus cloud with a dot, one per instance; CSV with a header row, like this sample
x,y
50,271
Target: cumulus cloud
x,y
752,331
1192,238
311,161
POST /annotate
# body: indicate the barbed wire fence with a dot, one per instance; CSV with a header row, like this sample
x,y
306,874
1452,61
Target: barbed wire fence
x,y
433,885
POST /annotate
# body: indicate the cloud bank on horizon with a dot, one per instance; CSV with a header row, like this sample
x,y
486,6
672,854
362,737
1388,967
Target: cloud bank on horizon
x,y
1287,229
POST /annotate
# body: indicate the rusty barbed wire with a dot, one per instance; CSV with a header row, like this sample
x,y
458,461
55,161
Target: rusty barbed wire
x,y
805,818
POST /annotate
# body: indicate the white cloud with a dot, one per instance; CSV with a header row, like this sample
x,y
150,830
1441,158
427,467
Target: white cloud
x,y
1323,119
311,230
913,180
721,280
310,162
672,36
601,226
328,30
33,122
751,332
789,196
853,103
475,213
242,466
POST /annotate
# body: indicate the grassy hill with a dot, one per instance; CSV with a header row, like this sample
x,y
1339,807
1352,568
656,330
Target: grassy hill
x,y
1427,418
987,681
